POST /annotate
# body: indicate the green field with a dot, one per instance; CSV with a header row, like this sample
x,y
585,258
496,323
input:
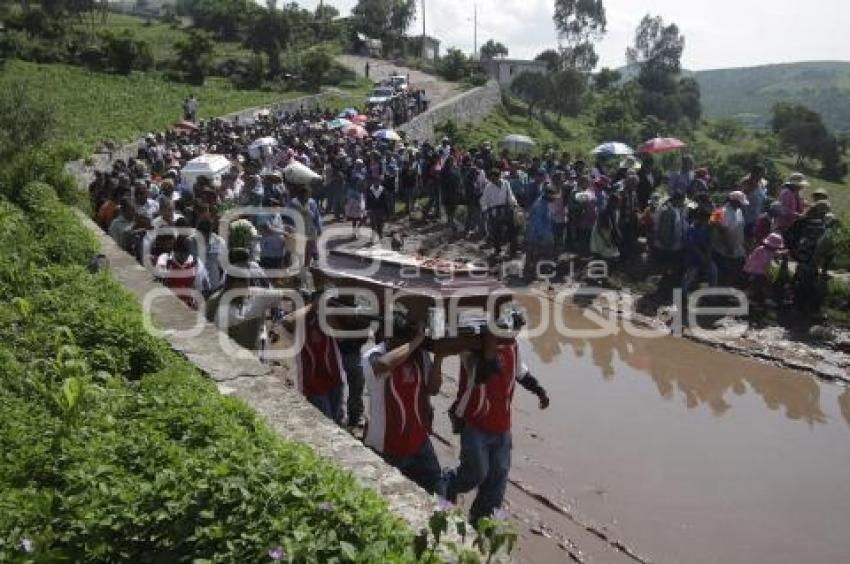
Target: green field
x,y
92,107
160,35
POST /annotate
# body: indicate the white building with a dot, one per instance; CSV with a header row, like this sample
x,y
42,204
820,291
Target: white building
x,y
506,70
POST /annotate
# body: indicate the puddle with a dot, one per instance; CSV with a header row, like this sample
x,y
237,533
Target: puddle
x,y
685,453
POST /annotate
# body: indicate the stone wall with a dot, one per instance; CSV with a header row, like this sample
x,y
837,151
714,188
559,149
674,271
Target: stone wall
x,y
471,107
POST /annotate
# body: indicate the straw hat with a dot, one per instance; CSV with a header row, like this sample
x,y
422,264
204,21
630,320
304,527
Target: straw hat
x,y
797,179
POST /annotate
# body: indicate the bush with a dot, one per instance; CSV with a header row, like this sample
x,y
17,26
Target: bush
x,y
123,53
41,165
115,449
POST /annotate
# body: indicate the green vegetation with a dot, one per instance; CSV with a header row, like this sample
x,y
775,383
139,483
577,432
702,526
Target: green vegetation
x,y
92,107
750,93
114,448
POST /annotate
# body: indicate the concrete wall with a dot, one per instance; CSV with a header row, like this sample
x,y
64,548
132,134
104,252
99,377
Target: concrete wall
x,y
471,107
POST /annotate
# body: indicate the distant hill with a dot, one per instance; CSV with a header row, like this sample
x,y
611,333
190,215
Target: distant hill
x,y
749,93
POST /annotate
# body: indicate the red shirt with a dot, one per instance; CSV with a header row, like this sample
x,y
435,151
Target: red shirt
x,y
182,277
319,362
488,406
399,407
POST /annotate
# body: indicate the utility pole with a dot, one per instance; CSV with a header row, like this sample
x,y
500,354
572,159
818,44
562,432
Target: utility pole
x,y
422,47
475,33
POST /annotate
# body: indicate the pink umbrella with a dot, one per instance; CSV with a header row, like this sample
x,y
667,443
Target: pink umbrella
x,y
661,145
356,131
360,119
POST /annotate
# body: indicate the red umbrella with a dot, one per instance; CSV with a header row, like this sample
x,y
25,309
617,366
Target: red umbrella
x,y
661,145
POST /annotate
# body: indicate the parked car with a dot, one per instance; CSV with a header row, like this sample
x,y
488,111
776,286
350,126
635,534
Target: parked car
x,y
380,96
399,83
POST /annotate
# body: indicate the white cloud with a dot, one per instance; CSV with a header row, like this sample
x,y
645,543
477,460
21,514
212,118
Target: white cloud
x,y
720,33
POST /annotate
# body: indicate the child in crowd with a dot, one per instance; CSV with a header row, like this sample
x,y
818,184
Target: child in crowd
x,y
758,264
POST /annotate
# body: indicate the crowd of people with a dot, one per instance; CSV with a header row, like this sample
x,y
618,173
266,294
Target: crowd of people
x,y
551,204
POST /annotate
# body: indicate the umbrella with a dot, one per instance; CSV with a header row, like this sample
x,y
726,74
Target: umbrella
x,y
518,142
348,112
263,142
356,131
360,119
387,135
613,148
661,145
338,123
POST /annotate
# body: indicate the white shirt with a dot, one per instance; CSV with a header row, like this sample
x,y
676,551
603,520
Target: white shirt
x,y
497,195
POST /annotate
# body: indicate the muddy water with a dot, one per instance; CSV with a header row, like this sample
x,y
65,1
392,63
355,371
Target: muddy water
x,y
684,453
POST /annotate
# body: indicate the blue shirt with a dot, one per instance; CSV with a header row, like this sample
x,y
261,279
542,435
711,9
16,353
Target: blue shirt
x,y
540,222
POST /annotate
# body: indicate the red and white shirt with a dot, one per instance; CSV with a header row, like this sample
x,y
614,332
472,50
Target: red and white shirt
x,y
319,363
399,406
488,406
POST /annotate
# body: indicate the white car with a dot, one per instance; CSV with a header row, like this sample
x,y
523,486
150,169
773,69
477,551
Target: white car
x,y
399,83
381,95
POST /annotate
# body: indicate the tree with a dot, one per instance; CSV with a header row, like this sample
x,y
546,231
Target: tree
x,y
579,23
533,87
271,31
194,55
493,49
316,63
832,166
454,65
384,19
801,130
606,79
25,121
657,51
567,88
552,59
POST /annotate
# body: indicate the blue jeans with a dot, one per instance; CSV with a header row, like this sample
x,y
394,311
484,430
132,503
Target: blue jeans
x,y
485,462
329,404
421,467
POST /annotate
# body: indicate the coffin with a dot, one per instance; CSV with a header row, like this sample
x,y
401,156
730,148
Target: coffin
x,y
465,293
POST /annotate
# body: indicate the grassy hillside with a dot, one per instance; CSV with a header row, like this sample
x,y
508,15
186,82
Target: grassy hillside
x,y
160,35
93,106
750,93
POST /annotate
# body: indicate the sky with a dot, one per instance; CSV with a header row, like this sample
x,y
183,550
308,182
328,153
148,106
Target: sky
x,y
718,33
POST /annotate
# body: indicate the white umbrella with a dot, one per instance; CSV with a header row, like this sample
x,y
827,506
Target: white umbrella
x,y
263,142
516,142
387,135
613,148
298,173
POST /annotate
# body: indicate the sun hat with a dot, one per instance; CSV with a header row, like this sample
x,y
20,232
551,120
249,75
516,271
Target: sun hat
x,y
630,163
821,192
740,197
797,179
774,241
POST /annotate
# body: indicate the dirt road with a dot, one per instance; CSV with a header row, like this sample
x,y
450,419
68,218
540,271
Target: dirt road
x,y
436,89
